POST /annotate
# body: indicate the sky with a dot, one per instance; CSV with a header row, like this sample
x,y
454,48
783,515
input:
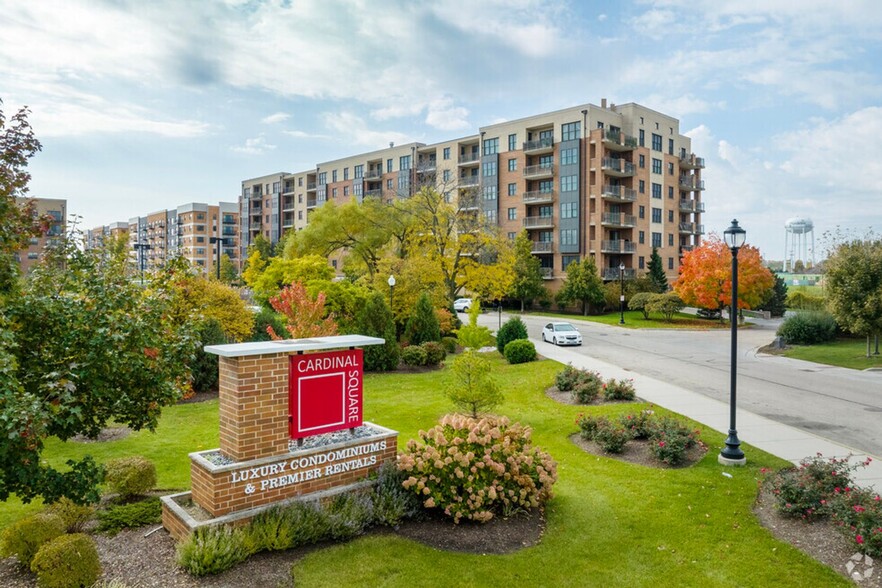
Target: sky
x,y
142,106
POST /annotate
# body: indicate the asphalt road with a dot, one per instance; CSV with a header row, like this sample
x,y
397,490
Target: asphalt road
x,y
839,404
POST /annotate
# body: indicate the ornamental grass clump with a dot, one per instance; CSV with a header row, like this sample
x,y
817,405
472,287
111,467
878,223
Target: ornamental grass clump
x,y
477,468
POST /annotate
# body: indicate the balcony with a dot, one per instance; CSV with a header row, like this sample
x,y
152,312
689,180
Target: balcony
x,y
685,248
618,193
229,219
547,273
699,229
539,197
687,205
310,186
255,225
617,219
686,227
617,167
618,141
610,274
617,246
543,170
373,175
466,181
542,247
374,193
690,161
468,159
539,222
539,146
426,166
691,183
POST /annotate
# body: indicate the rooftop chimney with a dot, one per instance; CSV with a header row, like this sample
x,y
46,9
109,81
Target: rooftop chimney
x,y
391,144
603,102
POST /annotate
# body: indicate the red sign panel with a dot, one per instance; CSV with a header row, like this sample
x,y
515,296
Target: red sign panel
x,y
325,392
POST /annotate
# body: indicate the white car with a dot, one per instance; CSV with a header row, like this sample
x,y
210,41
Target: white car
x,y
561,334
462,304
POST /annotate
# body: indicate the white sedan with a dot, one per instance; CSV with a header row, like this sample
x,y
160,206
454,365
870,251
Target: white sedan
x,y
561,334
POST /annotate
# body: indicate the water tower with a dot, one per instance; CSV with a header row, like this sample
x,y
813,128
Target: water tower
x,y
797,232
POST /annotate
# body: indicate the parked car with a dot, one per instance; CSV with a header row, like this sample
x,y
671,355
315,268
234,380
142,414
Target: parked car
x,y
462,304
561,334
709,313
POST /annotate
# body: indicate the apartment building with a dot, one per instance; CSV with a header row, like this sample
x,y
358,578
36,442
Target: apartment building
x,y
56,209
608,181
97,236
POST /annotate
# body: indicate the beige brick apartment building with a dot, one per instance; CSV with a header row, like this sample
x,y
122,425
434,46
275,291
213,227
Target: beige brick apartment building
x,y
608,181
54,208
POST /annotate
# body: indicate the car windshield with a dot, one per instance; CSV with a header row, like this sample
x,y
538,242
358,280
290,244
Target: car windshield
x,y
564,327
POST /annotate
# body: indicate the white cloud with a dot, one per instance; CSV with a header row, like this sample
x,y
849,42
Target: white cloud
x,y
68,119
356,131
442,114
275,118
304,135
254,146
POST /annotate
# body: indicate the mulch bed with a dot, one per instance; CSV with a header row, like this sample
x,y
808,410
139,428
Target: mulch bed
x,y
497,536
637,452
568,398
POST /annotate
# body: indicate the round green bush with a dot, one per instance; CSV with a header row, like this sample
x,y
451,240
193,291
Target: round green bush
x,y
25,537
587,387
75,516
67,561
520,351
130,476
807,328
670,439
611,437
514,329
449,344
435,352
413,355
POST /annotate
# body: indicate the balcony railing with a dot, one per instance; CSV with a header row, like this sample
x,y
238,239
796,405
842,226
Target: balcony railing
x,y
691,183
543,170
373,175
617,166
685,248
617,219
538,196
538,222
685,227
547,273
468,158
310,186
617,246
542,247
699,229
619,193
690,161
546,144
373,194
612,273
469,180
619,141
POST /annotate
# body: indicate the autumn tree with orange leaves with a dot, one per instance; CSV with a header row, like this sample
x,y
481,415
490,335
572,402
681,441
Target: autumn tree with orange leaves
x,y
706,276
304,317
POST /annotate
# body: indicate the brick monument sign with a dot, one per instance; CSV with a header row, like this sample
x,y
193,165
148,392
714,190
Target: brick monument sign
x,y
291,428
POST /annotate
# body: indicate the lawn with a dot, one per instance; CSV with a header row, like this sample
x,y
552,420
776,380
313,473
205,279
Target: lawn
x,y
634,320
609,524
848,353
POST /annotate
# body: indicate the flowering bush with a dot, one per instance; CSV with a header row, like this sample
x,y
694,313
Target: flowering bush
x,y
586,385
619,389
567,378
859,513
639,424
611,437
669,440
475,468
806,491
588,426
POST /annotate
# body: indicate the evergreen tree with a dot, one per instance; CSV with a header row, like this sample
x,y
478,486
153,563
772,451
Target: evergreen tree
x,y
423,324
375,320
776,297
527,283
656,272
582,284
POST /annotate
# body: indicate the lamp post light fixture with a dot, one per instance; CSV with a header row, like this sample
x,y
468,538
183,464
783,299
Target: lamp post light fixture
x,y
391,282
621,293
140,248
219,241
731,453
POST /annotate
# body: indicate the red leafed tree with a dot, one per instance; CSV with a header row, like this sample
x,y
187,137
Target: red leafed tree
x,y
706,276
304,316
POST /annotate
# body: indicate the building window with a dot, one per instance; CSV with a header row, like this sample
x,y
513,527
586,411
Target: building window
x,y
345,191
512,164
656,142
671,145
490,215
513,142
641,263
569,183
570,131
671,217
359,172
512,214
446,175
641,237
445,153
404,162
333,192
671,192
300,199
200,239
388,166
333,176
489,192
491,146
641,211
642,162
642,137
389,184
641,186
656,165
512,189
403,182
569,209
322,178
299,215
568,236
488,168
277,187
599,125
656,215
670,168
656,239
345,174
569,156
512,236
566,260
656,190
670,239
300,182
670,263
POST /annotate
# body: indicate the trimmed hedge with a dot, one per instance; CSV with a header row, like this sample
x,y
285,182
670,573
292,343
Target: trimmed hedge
x,y
520,351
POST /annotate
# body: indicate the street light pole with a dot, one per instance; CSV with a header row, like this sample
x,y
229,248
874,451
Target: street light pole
x,y
140,247
219,241
731,453
391,282
622,293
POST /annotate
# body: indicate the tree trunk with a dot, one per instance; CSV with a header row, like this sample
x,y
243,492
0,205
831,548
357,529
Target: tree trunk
x,y
584,308
868,346
877,345
522,305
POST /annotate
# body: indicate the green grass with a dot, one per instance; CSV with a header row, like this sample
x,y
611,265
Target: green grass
x,y
609,524
847,353
634,320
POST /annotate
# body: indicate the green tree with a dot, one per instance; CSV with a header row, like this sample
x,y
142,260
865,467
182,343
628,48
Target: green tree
x,y
527,284
473,336
776,297
854,286
229,275
656,272
667,305
375,320
473,389
423,324
583,285
513,329
280,272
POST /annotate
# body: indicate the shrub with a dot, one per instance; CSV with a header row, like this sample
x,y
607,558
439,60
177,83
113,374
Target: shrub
x,y
67,560
807,328
611,437
619,390
477,468
413,355
473,336
567,378
26,536
75,516
375,320
670,439
130,476
392,502
450,344
204,366
129,516
211,550
799,300
446,322
588,426
266,317
349,514
639,424
807,490
639,301
309,521
473,389
858,511
435,352
270,530
520,351
665,304
588,388
513,329
422,325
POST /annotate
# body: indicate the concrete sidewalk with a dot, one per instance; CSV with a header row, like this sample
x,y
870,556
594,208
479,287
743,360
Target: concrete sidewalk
x,y
776,438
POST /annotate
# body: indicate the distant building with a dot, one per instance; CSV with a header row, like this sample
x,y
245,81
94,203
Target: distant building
x,y
57,210
610,182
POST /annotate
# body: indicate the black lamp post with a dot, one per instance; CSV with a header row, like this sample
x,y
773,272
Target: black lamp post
x,y
731,453
391,282
219,241
140,247
622,293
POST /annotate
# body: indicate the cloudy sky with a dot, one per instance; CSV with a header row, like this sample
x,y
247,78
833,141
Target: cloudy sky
x,y
142,106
